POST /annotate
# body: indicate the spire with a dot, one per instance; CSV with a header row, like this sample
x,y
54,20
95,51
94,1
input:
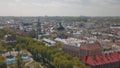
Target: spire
x,y
60,27
39,28
38,23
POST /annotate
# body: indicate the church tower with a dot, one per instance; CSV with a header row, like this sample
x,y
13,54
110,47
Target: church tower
x,y
39,33
61,32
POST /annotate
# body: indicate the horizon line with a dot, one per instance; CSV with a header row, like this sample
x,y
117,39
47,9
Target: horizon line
x,y
57,16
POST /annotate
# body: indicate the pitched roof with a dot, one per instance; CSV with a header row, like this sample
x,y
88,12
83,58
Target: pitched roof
x,y
92,46
102,59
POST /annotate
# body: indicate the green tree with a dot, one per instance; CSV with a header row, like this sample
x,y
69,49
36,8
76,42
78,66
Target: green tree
x,y
18,48
62,62
20,63
77,64
9,49
59,44
2,62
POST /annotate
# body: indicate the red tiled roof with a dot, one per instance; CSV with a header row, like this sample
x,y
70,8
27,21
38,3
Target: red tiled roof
x,y
90,60
98,60
102,59
92,46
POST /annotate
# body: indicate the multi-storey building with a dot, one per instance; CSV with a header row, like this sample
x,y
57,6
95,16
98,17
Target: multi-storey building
x,y
83,50
111,60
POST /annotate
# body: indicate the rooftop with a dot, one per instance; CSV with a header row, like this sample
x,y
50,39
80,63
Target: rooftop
x,y
102,59
91,46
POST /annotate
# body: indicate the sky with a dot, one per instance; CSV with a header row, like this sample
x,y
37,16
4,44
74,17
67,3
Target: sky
x,y
59,7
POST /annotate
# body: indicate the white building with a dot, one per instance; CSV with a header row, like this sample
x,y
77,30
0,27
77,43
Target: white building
x,y
48,42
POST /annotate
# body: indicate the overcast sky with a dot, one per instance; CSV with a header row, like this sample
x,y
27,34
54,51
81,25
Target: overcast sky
x,y
60,7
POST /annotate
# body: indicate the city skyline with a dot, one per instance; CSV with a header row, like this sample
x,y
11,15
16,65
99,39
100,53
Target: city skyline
x,y
60,7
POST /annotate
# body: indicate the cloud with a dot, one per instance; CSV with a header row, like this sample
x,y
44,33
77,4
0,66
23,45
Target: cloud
x,y
60,7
